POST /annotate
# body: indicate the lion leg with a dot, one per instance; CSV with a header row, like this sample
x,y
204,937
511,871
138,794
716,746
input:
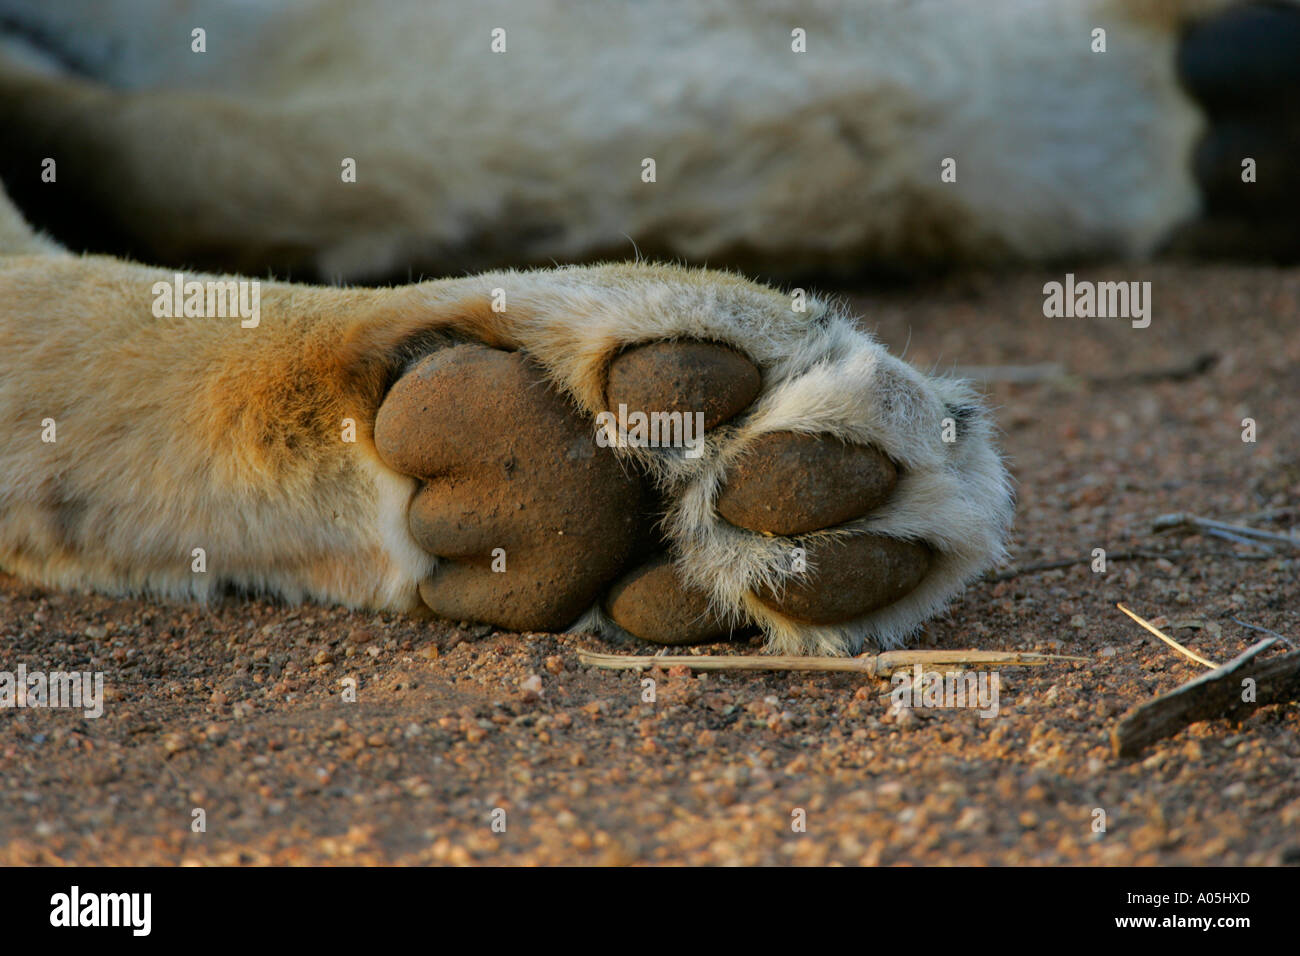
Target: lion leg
x,y
371,446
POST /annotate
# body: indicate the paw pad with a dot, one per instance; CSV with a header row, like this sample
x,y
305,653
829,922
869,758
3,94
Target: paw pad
x,y
787,483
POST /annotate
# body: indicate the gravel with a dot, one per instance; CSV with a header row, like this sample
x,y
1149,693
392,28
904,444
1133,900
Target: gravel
x,y
243,708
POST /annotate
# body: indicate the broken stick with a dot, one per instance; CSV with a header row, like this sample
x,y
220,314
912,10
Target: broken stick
x,y
1211,696
873,665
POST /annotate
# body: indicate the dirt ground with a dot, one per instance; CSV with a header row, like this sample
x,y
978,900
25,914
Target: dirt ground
x,y
236,709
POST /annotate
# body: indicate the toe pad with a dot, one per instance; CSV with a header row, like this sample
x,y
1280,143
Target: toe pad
x,y
788,483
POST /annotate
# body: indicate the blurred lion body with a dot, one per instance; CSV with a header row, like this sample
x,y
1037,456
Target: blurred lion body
x,y
493,133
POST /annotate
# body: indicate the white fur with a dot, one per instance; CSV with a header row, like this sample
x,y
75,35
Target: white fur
x,y
776,159
409,563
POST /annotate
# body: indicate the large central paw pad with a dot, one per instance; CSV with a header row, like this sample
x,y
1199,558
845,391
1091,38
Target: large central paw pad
x,y
532,518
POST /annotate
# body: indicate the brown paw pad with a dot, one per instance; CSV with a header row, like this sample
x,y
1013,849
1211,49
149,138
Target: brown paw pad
x,y
684,377
789,483
535,516
654,604
850,577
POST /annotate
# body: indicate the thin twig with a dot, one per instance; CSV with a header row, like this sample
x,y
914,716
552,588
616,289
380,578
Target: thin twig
x,y
1255,627
1180,371
1233,536
1167,639
1173,522
1053,563
873,665
1268,514
1137,554
1056,372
